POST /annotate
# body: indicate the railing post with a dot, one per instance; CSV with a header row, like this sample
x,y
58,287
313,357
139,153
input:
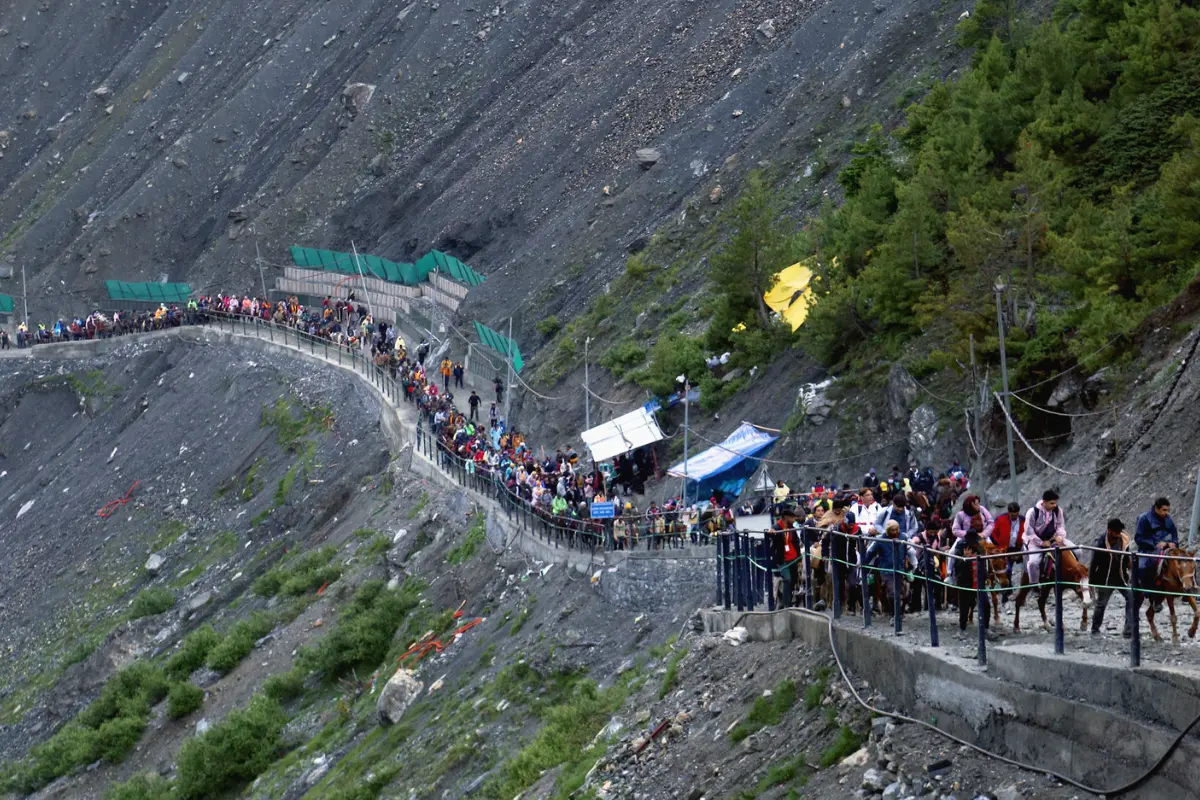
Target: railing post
x,y
1132,618
927,558
808,597
720,585
981,607
865,587
769,580
897,605
835,568
723,542
1058,602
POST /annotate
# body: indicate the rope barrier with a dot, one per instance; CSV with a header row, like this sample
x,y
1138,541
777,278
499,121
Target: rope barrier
x,y
1029,447
108,509
1110,409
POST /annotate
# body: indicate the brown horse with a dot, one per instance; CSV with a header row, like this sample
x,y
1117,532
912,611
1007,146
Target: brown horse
x,y
1074,576
996,580
1178,577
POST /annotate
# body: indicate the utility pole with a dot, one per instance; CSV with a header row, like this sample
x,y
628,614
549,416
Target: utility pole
x,y
1194,525
258,261
1014,488
686,407
361,278
587,392
511,372
976,413
24,294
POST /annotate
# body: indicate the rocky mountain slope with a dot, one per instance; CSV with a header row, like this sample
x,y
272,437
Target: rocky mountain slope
x,y
236,598
171,139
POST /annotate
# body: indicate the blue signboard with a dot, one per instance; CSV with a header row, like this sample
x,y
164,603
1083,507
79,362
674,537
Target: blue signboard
x,y
603,510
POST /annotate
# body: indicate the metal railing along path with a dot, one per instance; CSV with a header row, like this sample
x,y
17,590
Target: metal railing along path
x,y
748,576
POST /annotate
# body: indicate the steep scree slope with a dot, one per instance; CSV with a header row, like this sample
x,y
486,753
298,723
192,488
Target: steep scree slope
x,y
142,140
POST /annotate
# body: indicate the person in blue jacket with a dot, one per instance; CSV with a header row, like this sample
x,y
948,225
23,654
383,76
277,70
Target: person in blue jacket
x,y
1155,533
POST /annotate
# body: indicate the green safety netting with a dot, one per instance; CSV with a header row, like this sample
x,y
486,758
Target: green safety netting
x,y
501,344
149,292
6,304
344,264
395,272
437,260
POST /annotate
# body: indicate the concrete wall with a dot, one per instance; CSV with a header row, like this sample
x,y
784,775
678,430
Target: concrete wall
x,y
1093,719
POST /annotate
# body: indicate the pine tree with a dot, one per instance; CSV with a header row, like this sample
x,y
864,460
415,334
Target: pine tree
x,y
763,243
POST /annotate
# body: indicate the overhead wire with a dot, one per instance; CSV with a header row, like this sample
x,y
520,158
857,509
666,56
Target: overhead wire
x,y
1070,369
1108,410
1035,453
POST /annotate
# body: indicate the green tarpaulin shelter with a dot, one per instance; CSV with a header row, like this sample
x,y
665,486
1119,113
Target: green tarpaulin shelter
x,y
6,304
148,292
501,344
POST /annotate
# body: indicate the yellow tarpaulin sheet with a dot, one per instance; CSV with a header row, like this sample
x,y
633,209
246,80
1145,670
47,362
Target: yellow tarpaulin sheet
x,y
791,296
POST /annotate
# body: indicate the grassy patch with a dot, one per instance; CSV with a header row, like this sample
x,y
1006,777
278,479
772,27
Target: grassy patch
x,y
167,533
670,678
766,711
376,547
107,729
364,632
566,735
285,686
285,484
293,422
419,506
847,742
306,574
231,753
150,602
816,690
144,786
238,642
252,484
476,535
520,621
192,653
183,698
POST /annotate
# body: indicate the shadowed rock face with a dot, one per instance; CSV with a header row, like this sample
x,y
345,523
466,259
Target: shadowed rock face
x,y
169,139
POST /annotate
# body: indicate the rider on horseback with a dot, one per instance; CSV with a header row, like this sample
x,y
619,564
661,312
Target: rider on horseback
x,y
1155,533
1045,528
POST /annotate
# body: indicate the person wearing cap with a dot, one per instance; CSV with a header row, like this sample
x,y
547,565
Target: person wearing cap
x,y
1109,572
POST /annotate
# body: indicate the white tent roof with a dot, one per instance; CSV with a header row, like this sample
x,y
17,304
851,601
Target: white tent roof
x,y
628,432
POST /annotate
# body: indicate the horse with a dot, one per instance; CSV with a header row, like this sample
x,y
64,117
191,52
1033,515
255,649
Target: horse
x,y
1073,575
995,580
1178,576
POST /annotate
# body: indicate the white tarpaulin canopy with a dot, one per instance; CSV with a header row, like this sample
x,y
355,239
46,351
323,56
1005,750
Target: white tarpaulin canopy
x,y
628,432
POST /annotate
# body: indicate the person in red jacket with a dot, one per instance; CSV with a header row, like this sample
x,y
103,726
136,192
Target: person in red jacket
x,y
1009,530
1008,534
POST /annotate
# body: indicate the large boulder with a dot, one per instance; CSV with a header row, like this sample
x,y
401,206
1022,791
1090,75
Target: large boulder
x,y
923,434
154,564
400,692
356,96
647,157
902,392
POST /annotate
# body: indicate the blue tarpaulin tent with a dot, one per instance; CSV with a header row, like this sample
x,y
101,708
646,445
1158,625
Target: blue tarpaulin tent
x,y
726,466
